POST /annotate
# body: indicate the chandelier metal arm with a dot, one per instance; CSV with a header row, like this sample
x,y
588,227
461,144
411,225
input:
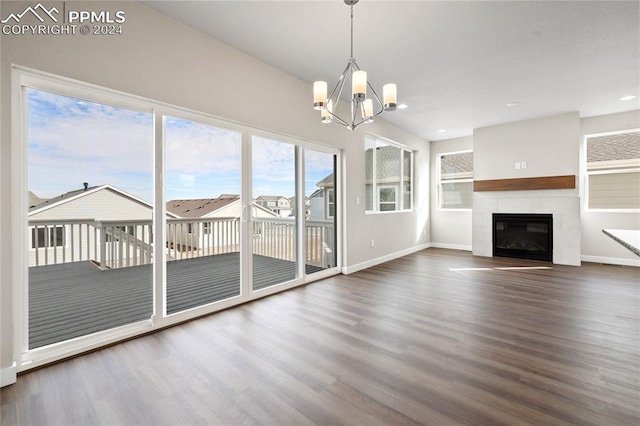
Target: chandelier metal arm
x,y
360,104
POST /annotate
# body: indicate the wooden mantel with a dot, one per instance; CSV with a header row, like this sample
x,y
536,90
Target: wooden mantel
x,y
526,184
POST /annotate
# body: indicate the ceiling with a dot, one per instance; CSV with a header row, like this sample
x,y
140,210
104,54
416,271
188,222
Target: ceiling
x,y
457,64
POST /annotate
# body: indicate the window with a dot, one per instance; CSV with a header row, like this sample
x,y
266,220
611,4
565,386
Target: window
x,y
455,180
47,237
387,198
207,228
613,170
331,204
389,176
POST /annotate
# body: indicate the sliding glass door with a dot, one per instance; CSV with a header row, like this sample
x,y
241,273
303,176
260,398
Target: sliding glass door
x,y
273,213
89,217
321,213
142,215
203,186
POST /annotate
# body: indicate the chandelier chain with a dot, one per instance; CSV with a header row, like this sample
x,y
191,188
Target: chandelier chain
x,y
351,31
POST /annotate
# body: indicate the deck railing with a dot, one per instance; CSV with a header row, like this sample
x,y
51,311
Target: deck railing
x,y
125,243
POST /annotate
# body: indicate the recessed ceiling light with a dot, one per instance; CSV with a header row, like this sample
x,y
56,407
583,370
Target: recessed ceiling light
x,y
627,98
442,130
512,104
402,106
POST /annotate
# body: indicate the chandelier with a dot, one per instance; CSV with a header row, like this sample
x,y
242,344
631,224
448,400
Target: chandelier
x,y
363,109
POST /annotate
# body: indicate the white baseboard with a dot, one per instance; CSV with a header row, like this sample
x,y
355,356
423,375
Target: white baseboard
x,y
8,375
373,262
451,246
611,260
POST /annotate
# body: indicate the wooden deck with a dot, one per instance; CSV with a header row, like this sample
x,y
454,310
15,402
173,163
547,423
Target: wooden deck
x,y
76,299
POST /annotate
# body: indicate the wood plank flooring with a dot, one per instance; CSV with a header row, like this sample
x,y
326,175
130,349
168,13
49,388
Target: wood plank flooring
x,y
438,337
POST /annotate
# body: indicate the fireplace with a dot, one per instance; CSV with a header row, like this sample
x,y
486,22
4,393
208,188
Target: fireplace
x,y
523,236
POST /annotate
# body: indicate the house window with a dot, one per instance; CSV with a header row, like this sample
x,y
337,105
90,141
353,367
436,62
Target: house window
x,y
207,228
331,204
455,180
389,176
387,198
52,236
613,170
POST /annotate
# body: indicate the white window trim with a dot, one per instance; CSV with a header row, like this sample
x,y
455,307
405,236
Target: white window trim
x,y
375,195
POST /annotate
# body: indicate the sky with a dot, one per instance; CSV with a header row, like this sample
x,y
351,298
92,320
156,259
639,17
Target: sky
x,y
72,141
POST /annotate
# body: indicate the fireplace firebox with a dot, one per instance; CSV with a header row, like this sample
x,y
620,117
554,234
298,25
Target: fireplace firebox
x,y
523,236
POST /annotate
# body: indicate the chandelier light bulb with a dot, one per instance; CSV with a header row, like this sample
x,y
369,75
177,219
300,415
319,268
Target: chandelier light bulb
x,y
319,94
390,96
367,109
359,84
325,114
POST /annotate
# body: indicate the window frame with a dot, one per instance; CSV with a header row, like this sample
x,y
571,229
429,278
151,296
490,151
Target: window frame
x,y
612,171
50,230
399,186
440,181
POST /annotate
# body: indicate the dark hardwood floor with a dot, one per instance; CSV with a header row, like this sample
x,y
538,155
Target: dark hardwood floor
x,y
438,337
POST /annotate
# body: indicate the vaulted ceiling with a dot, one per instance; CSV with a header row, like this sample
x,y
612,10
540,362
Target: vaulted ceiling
x,y
457,64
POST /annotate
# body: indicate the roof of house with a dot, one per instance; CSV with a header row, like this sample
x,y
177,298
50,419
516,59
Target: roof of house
x,y
388,163
328,181
459,163
34,200
317,193
270,197
621,146
201,206
78,193
59,198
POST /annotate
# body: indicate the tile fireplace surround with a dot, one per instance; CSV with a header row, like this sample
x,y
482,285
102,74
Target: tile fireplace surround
x,y
564,205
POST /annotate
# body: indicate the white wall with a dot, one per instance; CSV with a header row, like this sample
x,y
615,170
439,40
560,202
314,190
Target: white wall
x,y
596,246
164,60
550,146
453,228
449,228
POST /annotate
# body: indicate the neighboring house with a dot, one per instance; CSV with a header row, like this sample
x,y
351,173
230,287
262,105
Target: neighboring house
x,y
316,205
208,222
388,179
292,203
94,223
612,167
278,204
456,180
322,201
